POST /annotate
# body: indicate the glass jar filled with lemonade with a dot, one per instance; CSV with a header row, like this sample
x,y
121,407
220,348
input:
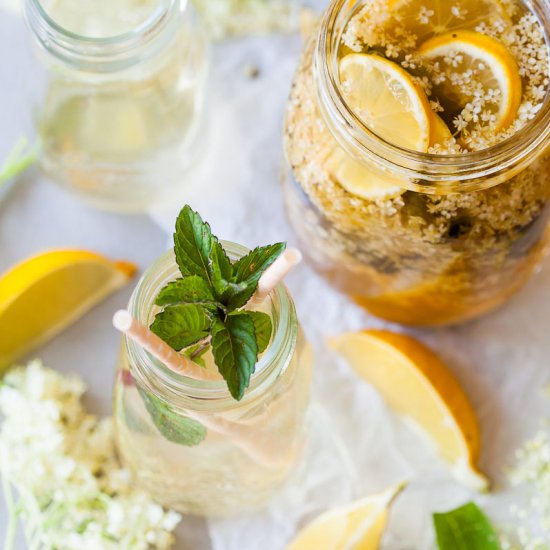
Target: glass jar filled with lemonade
x,y
119,120
221,439
417,136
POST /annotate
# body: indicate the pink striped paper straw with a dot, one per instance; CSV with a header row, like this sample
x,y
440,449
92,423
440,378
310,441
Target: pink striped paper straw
x,y
132,328
275,273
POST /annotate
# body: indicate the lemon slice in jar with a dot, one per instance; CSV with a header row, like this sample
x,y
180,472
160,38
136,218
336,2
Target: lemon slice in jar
x,y
427,18
480,76
357,526
391,104
440,133
387,99
362,181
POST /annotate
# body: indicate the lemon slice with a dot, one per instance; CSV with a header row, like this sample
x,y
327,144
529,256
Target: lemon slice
x,y
358,179
440,133
44,294
387,100
472,63
417,384
358,526
426,18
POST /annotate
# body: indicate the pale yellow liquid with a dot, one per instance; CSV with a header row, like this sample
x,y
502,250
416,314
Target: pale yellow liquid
x,y
219,476
124,140
100,18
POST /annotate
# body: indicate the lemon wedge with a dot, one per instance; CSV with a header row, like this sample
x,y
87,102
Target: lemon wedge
x,y
358,526
426,18
46,293
417,384
387,100
472,63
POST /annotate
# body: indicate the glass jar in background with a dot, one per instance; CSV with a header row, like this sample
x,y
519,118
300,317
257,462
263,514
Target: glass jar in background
x,y
119,122
238,452
462,232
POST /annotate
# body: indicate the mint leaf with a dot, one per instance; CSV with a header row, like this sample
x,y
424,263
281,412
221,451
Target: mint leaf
x,y
466,528
193,244
235,351
220,262
262,328
196,353
172,425
191,289
248,270
182,325
251,267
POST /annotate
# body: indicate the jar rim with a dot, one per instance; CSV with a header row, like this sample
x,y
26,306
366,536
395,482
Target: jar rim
x,y
187,391
435,170
100,53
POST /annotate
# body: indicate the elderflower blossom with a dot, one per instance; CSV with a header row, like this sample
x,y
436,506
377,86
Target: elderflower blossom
x,y
532,472
237,17
62,461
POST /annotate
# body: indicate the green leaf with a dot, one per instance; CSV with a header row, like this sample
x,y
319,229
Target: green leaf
x,y
190,290
193,244
262,328
466,528
249,269
172,425
196,353
235,351
19,159
252,266
182,325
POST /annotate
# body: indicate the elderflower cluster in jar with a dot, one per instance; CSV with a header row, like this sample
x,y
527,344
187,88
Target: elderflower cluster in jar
x,y
417,137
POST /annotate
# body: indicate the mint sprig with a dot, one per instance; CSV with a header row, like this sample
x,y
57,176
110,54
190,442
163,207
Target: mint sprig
x,y
466,528
202,309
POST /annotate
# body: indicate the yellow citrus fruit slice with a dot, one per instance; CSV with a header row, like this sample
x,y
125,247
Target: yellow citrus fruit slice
x,y
481,76
386,99
427,18
417,384
358,526
46,293
362,181
440,133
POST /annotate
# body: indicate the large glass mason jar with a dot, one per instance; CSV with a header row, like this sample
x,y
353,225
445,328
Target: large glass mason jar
x,y
457,233
119,120
188,442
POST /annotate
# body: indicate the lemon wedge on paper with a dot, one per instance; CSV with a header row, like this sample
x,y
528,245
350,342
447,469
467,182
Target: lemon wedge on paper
x,y
358,526
481,61
417,384
46,293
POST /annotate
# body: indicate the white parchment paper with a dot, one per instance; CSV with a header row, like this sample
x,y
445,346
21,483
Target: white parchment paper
x,y
357,446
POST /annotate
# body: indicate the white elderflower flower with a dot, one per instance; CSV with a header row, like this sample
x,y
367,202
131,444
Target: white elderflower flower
x,y
62,462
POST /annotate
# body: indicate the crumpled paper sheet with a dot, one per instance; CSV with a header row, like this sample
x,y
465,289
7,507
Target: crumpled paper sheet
x,y
356,445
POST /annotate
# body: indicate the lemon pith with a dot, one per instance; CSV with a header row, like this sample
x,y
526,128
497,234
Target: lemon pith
x,y
42,295
417,384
